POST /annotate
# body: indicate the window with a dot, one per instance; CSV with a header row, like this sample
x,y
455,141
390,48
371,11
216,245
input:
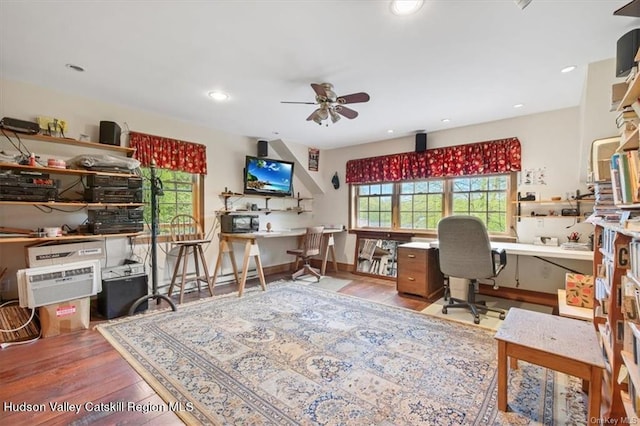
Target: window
x,y
374,205
483,197
419,205
182,194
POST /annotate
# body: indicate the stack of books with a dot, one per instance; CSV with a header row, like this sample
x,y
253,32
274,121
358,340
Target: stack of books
x,y
604,206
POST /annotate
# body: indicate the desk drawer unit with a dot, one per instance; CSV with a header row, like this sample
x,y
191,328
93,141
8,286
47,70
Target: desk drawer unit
x,y
418,272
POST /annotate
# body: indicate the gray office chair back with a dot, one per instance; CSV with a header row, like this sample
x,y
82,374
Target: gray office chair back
x,y
464,248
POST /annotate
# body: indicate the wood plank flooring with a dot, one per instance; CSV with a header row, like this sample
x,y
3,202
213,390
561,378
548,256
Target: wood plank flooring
x,y
82,367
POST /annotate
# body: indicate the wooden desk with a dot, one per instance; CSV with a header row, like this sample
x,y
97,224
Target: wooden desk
x,y
251,249
562,344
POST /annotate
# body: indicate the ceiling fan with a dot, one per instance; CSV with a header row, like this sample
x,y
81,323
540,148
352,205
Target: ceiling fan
x,y
331,105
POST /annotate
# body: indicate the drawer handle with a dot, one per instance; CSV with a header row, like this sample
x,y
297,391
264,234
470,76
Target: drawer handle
x,y
411,256
411,279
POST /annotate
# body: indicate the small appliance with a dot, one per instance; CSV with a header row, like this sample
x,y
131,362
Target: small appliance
x,y
239,223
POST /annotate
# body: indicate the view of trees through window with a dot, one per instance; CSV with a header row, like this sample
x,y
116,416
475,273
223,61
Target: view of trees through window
x,y
178,196
419,205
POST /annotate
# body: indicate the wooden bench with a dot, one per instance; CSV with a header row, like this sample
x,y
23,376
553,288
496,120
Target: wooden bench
x,y
562,344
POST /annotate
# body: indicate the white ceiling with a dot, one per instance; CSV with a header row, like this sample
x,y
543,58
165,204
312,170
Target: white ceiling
x,y
469,61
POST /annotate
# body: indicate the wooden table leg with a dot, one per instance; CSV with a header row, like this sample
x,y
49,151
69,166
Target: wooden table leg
x,y
225,248
595,398
330,248
255,252
502,375
245,267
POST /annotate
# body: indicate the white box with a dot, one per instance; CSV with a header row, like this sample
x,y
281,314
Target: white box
x,y
55,253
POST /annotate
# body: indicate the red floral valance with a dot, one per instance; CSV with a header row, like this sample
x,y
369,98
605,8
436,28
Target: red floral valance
x,y
168,153
497,156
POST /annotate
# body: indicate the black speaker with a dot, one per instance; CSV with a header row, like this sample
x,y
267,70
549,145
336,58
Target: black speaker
x,y
118,294
421,142
109,133
263,148
626,51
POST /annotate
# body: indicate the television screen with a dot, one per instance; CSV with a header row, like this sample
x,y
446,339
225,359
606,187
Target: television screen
x,y
265,176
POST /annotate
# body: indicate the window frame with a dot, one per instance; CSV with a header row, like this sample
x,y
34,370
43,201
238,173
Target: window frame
x,y
511,192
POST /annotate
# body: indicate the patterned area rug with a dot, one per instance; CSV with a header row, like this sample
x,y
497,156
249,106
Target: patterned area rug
x,y
299,355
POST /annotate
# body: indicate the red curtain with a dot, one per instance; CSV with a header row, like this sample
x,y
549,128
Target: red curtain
x,y
497,156
168,153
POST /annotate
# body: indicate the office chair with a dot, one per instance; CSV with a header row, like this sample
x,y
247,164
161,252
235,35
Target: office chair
x,y
187,235
310,248
465,252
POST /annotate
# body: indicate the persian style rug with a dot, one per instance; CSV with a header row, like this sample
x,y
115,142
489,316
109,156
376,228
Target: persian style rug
x,y
300,355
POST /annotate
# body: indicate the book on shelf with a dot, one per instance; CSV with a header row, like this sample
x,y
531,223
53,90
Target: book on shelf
x,y
615,178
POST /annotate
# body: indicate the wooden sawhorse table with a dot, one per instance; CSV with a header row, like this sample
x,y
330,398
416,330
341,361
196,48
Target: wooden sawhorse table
x,y
251,249
562,344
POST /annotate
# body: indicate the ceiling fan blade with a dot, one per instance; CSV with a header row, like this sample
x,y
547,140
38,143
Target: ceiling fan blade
x,y
319,89
305,103
313,114
354,98
347,112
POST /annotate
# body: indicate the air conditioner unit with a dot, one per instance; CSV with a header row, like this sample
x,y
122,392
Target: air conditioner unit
x,y
600,159
46,285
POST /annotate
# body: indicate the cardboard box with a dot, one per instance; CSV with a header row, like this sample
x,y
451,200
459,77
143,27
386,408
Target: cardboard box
x,y
65,317
579,290
55,253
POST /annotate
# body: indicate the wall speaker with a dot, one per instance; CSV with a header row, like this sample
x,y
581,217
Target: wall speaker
x,y
263,148
109,133
627,48
421,142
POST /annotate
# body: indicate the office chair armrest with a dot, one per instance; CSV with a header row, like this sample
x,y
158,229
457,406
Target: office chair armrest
x,y
499,260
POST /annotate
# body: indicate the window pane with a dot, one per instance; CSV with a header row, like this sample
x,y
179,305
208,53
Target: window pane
x,y
385,204
363,204
434,203
406,203
436,186
461,185
363,190
478,202
460,203
374,204
387,188
385,220
374,219
406,220
422,187
406,188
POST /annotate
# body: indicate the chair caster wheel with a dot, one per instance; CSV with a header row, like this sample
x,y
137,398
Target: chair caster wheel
x,y
444,311
476,320
501,316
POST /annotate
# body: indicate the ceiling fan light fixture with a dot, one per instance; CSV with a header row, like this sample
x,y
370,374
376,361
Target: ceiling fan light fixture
x,y
405,7
335,117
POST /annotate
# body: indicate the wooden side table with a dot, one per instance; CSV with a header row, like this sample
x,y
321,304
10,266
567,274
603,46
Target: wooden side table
x,y
562,344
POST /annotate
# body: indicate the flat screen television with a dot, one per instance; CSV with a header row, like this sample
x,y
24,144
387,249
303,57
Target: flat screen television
x,y
265,176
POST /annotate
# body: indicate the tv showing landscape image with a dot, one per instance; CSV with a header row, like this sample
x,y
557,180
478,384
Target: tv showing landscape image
x,y
268,177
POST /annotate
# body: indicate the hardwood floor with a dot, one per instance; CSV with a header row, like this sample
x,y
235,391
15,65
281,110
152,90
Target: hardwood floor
x,y
83,368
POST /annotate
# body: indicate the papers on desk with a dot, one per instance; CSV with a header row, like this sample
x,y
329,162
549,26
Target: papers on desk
x,y
575,246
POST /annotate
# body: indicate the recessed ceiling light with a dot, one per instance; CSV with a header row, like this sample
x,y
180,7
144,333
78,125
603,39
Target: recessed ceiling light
x,y
217,95
390,131
568,69
446,120
405,7
518,105
75,67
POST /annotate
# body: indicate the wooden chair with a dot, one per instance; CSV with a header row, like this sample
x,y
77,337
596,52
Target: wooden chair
x,y
310,248
187,234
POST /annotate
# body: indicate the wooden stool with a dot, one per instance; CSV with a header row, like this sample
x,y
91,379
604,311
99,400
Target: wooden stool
x,y
187,247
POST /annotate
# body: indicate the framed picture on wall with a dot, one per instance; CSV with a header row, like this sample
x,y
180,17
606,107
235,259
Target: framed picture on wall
x,y
314,158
